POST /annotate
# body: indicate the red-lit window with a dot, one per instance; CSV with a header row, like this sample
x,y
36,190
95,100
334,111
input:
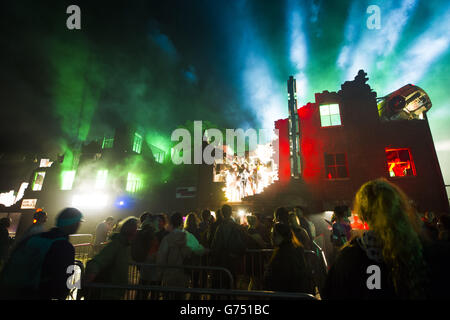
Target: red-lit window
x,y
336,166
400,162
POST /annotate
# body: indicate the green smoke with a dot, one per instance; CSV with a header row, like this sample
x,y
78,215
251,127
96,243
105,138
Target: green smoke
x,y
77,84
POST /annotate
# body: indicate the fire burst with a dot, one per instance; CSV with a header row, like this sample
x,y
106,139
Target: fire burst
x,y
247,176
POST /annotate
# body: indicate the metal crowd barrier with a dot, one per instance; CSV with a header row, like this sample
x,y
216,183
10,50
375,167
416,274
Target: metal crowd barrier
x,y
211,277
318,265
82,244
254,264
83,251
137,292
81,237
97,248
217,277
251,274
321,253
256,260
223,275
86,251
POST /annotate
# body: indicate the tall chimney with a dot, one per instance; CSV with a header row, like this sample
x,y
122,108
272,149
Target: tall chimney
x,y
294,130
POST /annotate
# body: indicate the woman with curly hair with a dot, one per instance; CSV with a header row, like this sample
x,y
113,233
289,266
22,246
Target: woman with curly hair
x,y
392,243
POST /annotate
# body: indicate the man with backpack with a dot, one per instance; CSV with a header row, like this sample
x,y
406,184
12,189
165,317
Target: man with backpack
x,y
37,268
229,245
173,251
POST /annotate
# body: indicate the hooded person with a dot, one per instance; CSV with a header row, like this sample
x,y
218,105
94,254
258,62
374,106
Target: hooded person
x,y
110,265
146,243
173,251
229,244
287,269
37,268
143,250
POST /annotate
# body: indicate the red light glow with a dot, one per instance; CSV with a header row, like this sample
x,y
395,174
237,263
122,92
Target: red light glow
x,y
400,163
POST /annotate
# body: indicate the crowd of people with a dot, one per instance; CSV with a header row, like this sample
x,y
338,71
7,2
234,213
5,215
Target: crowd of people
x,y
411,251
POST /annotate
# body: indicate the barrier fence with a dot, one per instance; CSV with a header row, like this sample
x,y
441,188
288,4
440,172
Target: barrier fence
x,y
221,276
256,260
186,276
136,292
103,291
204,276
83,251
140,289
81,238
254,263
86,251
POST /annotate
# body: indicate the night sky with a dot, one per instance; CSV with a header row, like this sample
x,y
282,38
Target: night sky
x,y
161,63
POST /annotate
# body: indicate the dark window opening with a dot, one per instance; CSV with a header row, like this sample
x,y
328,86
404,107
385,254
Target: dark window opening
x,y
336,166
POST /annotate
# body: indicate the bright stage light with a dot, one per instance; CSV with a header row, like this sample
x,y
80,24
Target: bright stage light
x,y
123,202
242,216
90,201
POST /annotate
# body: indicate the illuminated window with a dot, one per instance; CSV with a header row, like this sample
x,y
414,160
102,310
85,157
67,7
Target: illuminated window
x,y
133,183
67,178
137,144
400,162
107,143
38,181
330,115
102,176
336,166
158,153
45,163
159,157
